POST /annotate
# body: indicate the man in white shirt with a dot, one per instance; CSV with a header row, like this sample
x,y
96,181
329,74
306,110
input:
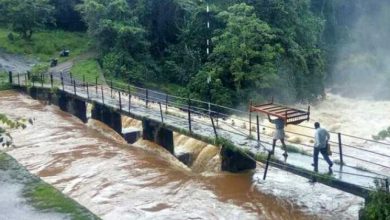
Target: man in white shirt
x,y
320,145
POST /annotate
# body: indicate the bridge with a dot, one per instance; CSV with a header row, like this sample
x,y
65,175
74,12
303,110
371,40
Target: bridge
x,y
242,139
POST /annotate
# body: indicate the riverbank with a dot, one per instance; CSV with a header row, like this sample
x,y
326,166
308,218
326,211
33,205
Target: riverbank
x,y
23,195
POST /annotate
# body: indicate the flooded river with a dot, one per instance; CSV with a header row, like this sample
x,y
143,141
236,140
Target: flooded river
x,y
119,181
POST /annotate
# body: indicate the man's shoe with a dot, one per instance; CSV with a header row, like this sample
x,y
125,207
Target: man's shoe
x,y
285,155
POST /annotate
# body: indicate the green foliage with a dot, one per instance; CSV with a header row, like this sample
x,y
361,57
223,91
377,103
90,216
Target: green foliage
x,y
25,16
45,197
46,44
378,205
244,52
120,36
11,123
382,135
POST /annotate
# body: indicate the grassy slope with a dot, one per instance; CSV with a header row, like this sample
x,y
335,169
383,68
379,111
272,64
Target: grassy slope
x,y
42,195
45,44
89,68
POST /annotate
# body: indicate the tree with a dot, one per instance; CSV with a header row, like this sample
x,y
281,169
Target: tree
x,y
244,51
25,16
119,36
66,15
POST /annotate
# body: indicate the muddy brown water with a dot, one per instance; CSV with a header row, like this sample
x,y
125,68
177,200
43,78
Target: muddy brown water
x,y
119,181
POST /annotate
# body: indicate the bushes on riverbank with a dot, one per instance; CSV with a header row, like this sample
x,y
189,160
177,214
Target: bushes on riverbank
x,y
377,204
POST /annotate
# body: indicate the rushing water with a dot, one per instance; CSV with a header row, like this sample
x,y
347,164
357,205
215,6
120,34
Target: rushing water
x,y
118,181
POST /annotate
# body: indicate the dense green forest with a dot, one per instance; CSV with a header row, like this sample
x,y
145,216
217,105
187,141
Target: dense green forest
x,y
259,48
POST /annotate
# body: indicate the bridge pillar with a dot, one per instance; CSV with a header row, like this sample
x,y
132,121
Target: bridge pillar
x,y
131,135
236,161
108,116
73,105
156,132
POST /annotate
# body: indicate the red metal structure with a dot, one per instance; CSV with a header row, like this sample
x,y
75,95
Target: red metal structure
x,y
288,114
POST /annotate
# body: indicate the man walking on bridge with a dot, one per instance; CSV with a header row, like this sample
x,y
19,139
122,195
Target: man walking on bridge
x,y
320,145
279,134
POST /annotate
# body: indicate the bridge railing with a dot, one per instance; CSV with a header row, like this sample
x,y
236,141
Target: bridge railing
x,y
223,118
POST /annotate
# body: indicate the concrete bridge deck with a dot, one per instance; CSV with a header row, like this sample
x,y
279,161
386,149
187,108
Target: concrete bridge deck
x,y
182,117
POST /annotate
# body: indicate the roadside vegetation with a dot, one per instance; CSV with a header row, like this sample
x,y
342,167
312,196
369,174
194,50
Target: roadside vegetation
x,y
45,44
88,68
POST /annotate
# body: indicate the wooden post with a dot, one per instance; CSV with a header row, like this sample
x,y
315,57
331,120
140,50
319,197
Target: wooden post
x,y
28,75
102,94
266,165
41,80
258,129
146,97
340,150
161,113
25,79
18,80
84,80
214,128
51,80
120,101
189,115
87,91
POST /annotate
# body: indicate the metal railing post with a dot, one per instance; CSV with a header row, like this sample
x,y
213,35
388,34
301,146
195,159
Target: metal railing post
x,y
161,113
10,77
62,82
111,87
25,80
258,128
120,101
146,97
166,102
214,128
84,80
41,80
51,80
74,86
96,84
340,150
266,165
189,115
129,93
18,79
250,120
102,94
87,91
